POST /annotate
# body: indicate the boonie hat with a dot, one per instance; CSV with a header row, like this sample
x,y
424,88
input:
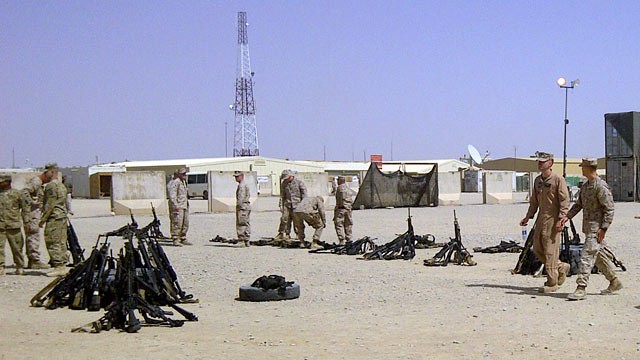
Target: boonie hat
x,y
592,162
543,156
237,173
51,166
182,170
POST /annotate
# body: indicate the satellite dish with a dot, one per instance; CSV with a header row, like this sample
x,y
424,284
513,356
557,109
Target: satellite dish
x,y
475,154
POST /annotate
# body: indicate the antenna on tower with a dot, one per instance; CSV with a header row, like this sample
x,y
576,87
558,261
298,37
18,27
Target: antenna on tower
x,y
245,142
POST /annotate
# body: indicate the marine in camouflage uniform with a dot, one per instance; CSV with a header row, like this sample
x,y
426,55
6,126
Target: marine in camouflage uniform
x,y
54,215
243,209
179,207
292,191
34,189
596,202
15,209
311,211
550,198
342,219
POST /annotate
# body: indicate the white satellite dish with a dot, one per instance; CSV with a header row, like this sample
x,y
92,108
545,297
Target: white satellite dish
x,y
475,154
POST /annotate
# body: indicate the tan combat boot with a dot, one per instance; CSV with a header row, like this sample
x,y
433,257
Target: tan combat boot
x,y
176,242
579,294
19,271
562,275
316,245
1,271
37,265
614,286
186,242
546,289
58,271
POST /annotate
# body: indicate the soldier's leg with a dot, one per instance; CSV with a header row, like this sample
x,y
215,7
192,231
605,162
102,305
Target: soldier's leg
x,y
551,253
176,224
338,223
298,225
3,240
185,227
605,264
32,233
538,247
316,223
243,228
348,225
55,238
288,221
14,236
587,259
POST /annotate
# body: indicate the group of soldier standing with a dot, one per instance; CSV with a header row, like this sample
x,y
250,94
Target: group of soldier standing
x,y
44,202
550,199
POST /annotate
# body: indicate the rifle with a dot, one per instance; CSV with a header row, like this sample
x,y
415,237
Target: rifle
x,y
402,247
77,253
125,231
152,229
453,248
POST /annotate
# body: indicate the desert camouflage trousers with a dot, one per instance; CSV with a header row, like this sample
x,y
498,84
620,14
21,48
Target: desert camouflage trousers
x,y
55,238
243,227
313,220
591,255
179,219
15,240
343,223
32,233
286,218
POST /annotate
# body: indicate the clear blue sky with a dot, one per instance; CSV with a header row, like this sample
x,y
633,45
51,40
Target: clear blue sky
x,y
145,80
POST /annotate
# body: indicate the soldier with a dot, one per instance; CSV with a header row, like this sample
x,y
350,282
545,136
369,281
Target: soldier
x,y
550,195
34,189
14,204
179,207
54,215
311,211
596,201
342,212
292,191
243,209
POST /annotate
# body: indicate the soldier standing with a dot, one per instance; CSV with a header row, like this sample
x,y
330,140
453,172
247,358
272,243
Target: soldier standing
x,y
311,211
14,205
54,215
342,212
596,202
292,191
243,209
551,197
34,189
179,207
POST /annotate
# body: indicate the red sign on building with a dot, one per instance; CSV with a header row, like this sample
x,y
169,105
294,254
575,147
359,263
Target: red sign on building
x,y
376,159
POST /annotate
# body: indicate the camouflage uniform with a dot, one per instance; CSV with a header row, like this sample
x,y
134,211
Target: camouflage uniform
x,y
596,202
34,190
291,193
14,205
342,219
178,209
551,197
243,211
311,210
54,214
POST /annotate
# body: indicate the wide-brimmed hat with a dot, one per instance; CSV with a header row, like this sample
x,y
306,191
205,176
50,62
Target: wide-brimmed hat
x,y
592,162
543,156
237,173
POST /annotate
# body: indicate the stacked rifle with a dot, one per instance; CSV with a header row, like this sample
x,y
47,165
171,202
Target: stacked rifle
x,y
453,251
402,247
141,279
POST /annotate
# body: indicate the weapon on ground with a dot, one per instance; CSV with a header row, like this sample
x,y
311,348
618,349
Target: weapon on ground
x,y
504,246
527,263
427,241
77,252
357,247
453,249
402,247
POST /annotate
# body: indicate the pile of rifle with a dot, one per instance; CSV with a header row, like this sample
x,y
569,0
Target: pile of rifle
x,y
357,247
402,247
453,251
141,279
504,246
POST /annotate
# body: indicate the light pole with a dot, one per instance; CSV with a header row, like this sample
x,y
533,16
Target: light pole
x,y
562,82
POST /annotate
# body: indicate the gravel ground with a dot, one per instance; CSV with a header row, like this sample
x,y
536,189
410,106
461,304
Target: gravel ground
x,y
348,308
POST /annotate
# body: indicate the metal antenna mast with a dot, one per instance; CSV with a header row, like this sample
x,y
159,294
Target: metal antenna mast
x,y
245,141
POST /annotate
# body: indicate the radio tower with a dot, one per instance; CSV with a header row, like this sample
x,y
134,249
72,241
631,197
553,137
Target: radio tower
x,y
245,141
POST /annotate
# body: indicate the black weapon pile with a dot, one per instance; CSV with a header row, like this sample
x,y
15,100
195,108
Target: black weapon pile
x,y
141,279
357,247
265,241
402,247
453,249
504,246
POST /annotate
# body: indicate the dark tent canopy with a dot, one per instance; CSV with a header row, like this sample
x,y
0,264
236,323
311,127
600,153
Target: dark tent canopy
x,y
379,190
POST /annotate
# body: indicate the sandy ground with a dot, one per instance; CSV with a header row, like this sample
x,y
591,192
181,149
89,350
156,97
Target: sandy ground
x,y
349,308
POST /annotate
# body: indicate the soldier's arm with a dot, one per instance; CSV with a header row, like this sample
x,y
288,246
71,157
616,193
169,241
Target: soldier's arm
x,y
321,211
533,204
47,205
303,190
25,206
575,209
606,201
563,197
173,194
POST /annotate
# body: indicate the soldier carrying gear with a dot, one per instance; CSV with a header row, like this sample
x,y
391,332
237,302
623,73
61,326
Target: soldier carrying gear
x,y
292,191
15,209
596,202
311,211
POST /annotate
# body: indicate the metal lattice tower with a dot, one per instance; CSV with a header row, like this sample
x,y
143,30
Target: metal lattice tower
x,y
245,141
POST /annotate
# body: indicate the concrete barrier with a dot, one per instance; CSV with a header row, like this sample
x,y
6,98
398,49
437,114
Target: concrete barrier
x,y
222,190
449,188
497,187
135,191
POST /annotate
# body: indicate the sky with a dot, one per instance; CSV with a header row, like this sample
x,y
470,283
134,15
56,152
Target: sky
x,y
86,82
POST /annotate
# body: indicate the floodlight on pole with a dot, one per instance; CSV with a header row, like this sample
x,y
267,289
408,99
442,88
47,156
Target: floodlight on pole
x,y
562,82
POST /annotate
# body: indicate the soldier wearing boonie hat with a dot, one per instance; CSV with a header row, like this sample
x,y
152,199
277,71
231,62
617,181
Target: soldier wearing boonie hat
x,y
596,202
550,199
